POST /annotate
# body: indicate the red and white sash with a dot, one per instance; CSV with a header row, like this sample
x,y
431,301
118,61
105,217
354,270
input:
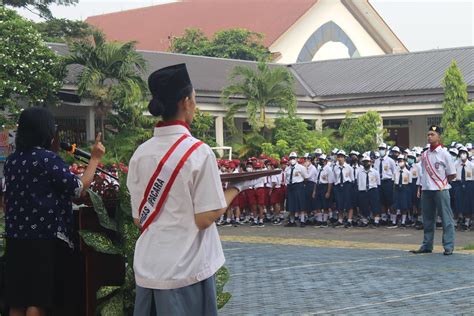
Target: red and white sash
x,y
163,178
441,184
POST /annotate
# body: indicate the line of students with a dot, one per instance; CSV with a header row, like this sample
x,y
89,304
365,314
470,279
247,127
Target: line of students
x,y
379,188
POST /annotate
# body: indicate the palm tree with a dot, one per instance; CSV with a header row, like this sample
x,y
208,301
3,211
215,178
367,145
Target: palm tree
x,y
111,72
257,89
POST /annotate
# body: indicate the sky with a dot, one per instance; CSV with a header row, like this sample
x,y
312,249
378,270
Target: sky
x,y
420,24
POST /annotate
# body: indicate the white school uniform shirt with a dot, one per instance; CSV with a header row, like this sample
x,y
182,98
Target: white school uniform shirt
x,y
355,170
172,252
374,179
388,167
312,173
406,176
469,170
325,175
415,170
442,165
299,174
259,183
347,173
277,179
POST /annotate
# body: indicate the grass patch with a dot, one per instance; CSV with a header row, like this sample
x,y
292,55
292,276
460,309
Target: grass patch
x,y
469,247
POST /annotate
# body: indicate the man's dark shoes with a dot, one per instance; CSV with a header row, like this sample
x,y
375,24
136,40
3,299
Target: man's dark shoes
x,y
421,250
448,252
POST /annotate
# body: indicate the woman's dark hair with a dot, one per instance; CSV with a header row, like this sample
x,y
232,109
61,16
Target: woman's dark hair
x,y
167,110
36,128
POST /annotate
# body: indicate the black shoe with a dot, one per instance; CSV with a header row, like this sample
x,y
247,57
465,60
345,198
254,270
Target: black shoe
x,y
276,222
421,250
362,224
439,225
290,224
253,224
260,225
392,225
448,252
337,224
348,225
324,225
403,225
227,224
302,224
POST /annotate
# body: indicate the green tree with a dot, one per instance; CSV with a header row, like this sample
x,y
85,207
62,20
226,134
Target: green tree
x,y
257,89
202,127
232,43
361,133
29,70
112,72
193,42
40,7
61,30
454,103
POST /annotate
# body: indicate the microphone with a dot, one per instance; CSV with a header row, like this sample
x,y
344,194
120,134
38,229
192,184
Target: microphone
x,y
74,150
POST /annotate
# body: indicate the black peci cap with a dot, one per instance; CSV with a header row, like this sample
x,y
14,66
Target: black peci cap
x,y
435,128
166,84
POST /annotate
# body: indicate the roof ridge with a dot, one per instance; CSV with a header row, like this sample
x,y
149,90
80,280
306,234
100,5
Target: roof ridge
x,y
386,55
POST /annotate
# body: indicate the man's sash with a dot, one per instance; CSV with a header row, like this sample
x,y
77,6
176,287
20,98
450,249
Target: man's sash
x,y
163,178
441,184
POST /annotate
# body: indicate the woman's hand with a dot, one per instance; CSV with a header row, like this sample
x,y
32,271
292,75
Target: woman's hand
x,y
98,150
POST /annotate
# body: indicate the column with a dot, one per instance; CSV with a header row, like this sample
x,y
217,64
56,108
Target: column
x,y
90,124
318,124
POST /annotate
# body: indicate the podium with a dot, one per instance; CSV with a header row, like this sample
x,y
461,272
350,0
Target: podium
x,y
97,269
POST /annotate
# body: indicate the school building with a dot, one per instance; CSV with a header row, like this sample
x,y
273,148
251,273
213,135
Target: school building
x,y
342,54
404,88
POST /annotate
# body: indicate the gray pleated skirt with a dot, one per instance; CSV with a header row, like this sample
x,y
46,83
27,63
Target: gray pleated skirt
x,y
197,299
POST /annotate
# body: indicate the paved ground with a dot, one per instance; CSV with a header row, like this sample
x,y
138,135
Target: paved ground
x,y
282,271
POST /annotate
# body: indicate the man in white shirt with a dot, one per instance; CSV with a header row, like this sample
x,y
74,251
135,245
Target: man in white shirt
x,y
437,170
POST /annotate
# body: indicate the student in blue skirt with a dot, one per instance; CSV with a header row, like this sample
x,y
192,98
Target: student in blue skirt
x,y
323,191
368,182
295,174
309,185
455,187
402,181
465,179
415,170
343,180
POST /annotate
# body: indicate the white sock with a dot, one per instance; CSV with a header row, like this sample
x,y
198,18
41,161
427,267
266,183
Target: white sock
x,y
319,217
393,218
302,217
467,220
398,212
340,220
350,220
404,217
228,220
377,219
261,220
364,220
325,217
438,220
237,219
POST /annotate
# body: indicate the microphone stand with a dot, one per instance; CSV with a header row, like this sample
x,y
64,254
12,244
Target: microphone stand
x,y
100,169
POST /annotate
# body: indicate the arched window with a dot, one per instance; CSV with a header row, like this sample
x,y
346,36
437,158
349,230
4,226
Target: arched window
x,y
328,32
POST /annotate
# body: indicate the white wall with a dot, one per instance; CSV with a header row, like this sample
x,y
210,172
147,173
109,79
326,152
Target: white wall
x,y
293,40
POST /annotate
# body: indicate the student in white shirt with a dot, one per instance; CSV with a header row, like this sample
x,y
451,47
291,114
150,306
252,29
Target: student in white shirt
x,y
415,170
295,174
465,179
323,191
178,251
368,181
386,167
309,184
343,186
402,180
437,170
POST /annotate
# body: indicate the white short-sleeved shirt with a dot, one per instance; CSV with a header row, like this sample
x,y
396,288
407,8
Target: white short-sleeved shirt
x,y
299,174
406,176
312,173
388,167
173,253
347,173
415,170
468,169
325,175
374,179
442,165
